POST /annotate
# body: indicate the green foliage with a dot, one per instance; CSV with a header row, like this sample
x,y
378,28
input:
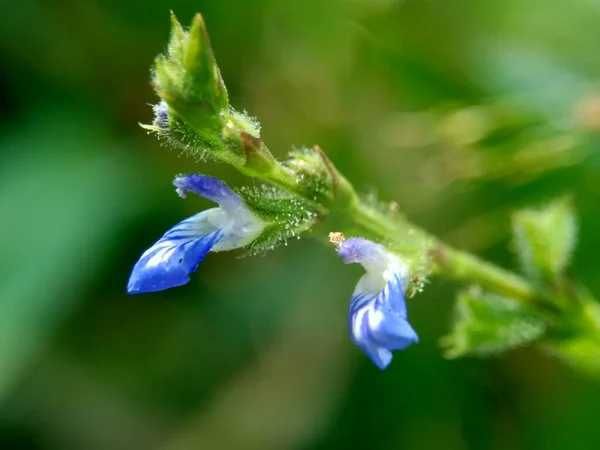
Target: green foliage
x,y
487,323
51,248
545,239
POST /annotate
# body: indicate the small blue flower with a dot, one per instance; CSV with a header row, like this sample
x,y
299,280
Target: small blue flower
x,y
377,316
174,256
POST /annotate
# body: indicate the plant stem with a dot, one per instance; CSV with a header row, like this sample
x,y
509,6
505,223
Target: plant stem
x,y
447,261
464,266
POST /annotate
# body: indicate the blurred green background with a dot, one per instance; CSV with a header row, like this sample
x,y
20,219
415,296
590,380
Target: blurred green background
x,y
461,111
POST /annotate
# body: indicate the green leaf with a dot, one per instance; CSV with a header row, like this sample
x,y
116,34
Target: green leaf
x,y
488,323
545,239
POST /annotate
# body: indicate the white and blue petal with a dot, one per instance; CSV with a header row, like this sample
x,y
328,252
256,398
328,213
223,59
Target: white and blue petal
x,y
169,262
377,316
378,322
240,225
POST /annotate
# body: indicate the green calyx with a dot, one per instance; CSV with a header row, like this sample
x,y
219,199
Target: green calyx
x,y
188,77
287,216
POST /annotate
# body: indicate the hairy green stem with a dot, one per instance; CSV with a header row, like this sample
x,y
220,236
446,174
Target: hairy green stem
x,y
465,266
448,261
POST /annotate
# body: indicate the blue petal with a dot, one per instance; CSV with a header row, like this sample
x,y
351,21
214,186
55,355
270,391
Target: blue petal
x,y
378,322
392,297
210,188
360,333
169,261
380,356
393,333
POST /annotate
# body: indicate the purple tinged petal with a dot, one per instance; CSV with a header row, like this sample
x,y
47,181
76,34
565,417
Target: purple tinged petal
x,y
173,257
210,188
359,250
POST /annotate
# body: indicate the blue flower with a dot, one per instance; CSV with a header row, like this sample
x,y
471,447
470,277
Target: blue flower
x,y
377,316
174,256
